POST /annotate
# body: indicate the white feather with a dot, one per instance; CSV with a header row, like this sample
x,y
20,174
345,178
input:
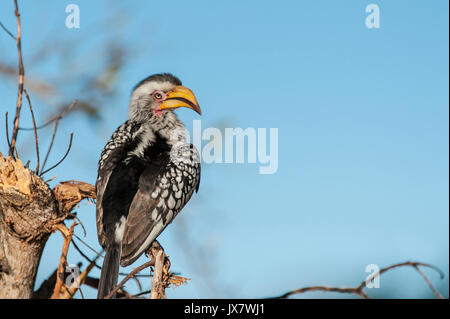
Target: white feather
x,y
120,228
157,228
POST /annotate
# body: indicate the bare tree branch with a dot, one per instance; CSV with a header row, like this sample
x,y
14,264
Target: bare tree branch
x,y
67,234
21,81
28,212
56,118
7,130
84,255
70,193
64,157
88,246
70,291
438,295
158,287
359,290
7,31
46,289
50,146
35,131
130,275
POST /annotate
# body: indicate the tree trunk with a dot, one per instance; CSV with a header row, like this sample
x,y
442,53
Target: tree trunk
x,y
28,212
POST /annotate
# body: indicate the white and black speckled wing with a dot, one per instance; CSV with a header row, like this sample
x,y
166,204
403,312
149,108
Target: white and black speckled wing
x,y
114,152
164,188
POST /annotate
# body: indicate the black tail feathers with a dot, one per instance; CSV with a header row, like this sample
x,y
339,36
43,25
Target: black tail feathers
x,y
110,271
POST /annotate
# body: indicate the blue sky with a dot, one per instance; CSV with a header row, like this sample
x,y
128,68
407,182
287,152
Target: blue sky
x,y
362,118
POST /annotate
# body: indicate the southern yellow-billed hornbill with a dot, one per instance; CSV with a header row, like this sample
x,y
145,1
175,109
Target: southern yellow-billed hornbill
x,y
146,174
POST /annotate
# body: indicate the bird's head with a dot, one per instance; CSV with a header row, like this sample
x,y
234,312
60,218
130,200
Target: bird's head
x,y
159,94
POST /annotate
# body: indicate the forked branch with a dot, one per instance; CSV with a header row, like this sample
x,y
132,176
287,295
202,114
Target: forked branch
x,y
359,290
67,234
35,131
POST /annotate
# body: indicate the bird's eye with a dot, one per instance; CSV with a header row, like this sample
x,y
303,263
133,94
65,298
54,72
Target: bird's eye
x,y
157,95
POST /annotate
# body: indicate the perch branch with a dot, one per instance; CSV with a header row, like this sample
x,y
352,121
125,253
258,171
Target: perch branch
x,y
160,274
158,289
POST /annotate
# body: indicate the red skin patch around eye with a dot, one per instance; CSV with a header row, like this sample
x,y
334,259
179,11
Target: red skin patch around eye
x,y
158,112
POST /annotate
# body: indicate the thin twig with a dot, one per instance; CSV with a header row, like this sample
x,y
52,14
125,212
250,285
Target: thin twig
x,y
84,255
21,81
7,31
354,291
67,234
359,290
98,254
136,275
64,157
70,291
137,282
81,293
50,146
142,293
66,292
7,130
99,267
35,131
88,246
56,118
7,135
407,263
80,223
438,295
93,282
130,275
50,179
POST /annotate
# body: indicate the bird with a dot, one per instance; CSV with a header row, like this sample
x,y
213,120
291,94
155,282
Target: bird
x,y
147,172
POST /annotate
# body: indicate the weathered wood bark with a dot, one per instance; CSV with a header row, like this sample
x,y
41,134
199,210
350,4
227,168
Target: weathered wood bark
x,y
28,211
160,280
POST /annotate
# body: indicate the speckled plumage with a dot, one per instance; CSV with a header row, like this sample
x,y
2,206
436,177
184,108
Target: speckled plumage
x,y
146,175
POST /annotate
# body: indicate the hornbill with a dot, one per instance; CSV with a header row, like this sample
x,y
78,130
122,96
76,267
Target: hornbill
x,y
147,172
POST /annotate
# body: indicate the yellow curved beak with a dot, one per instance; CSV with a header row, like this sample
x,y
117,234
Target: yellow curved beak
x,y
181,96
